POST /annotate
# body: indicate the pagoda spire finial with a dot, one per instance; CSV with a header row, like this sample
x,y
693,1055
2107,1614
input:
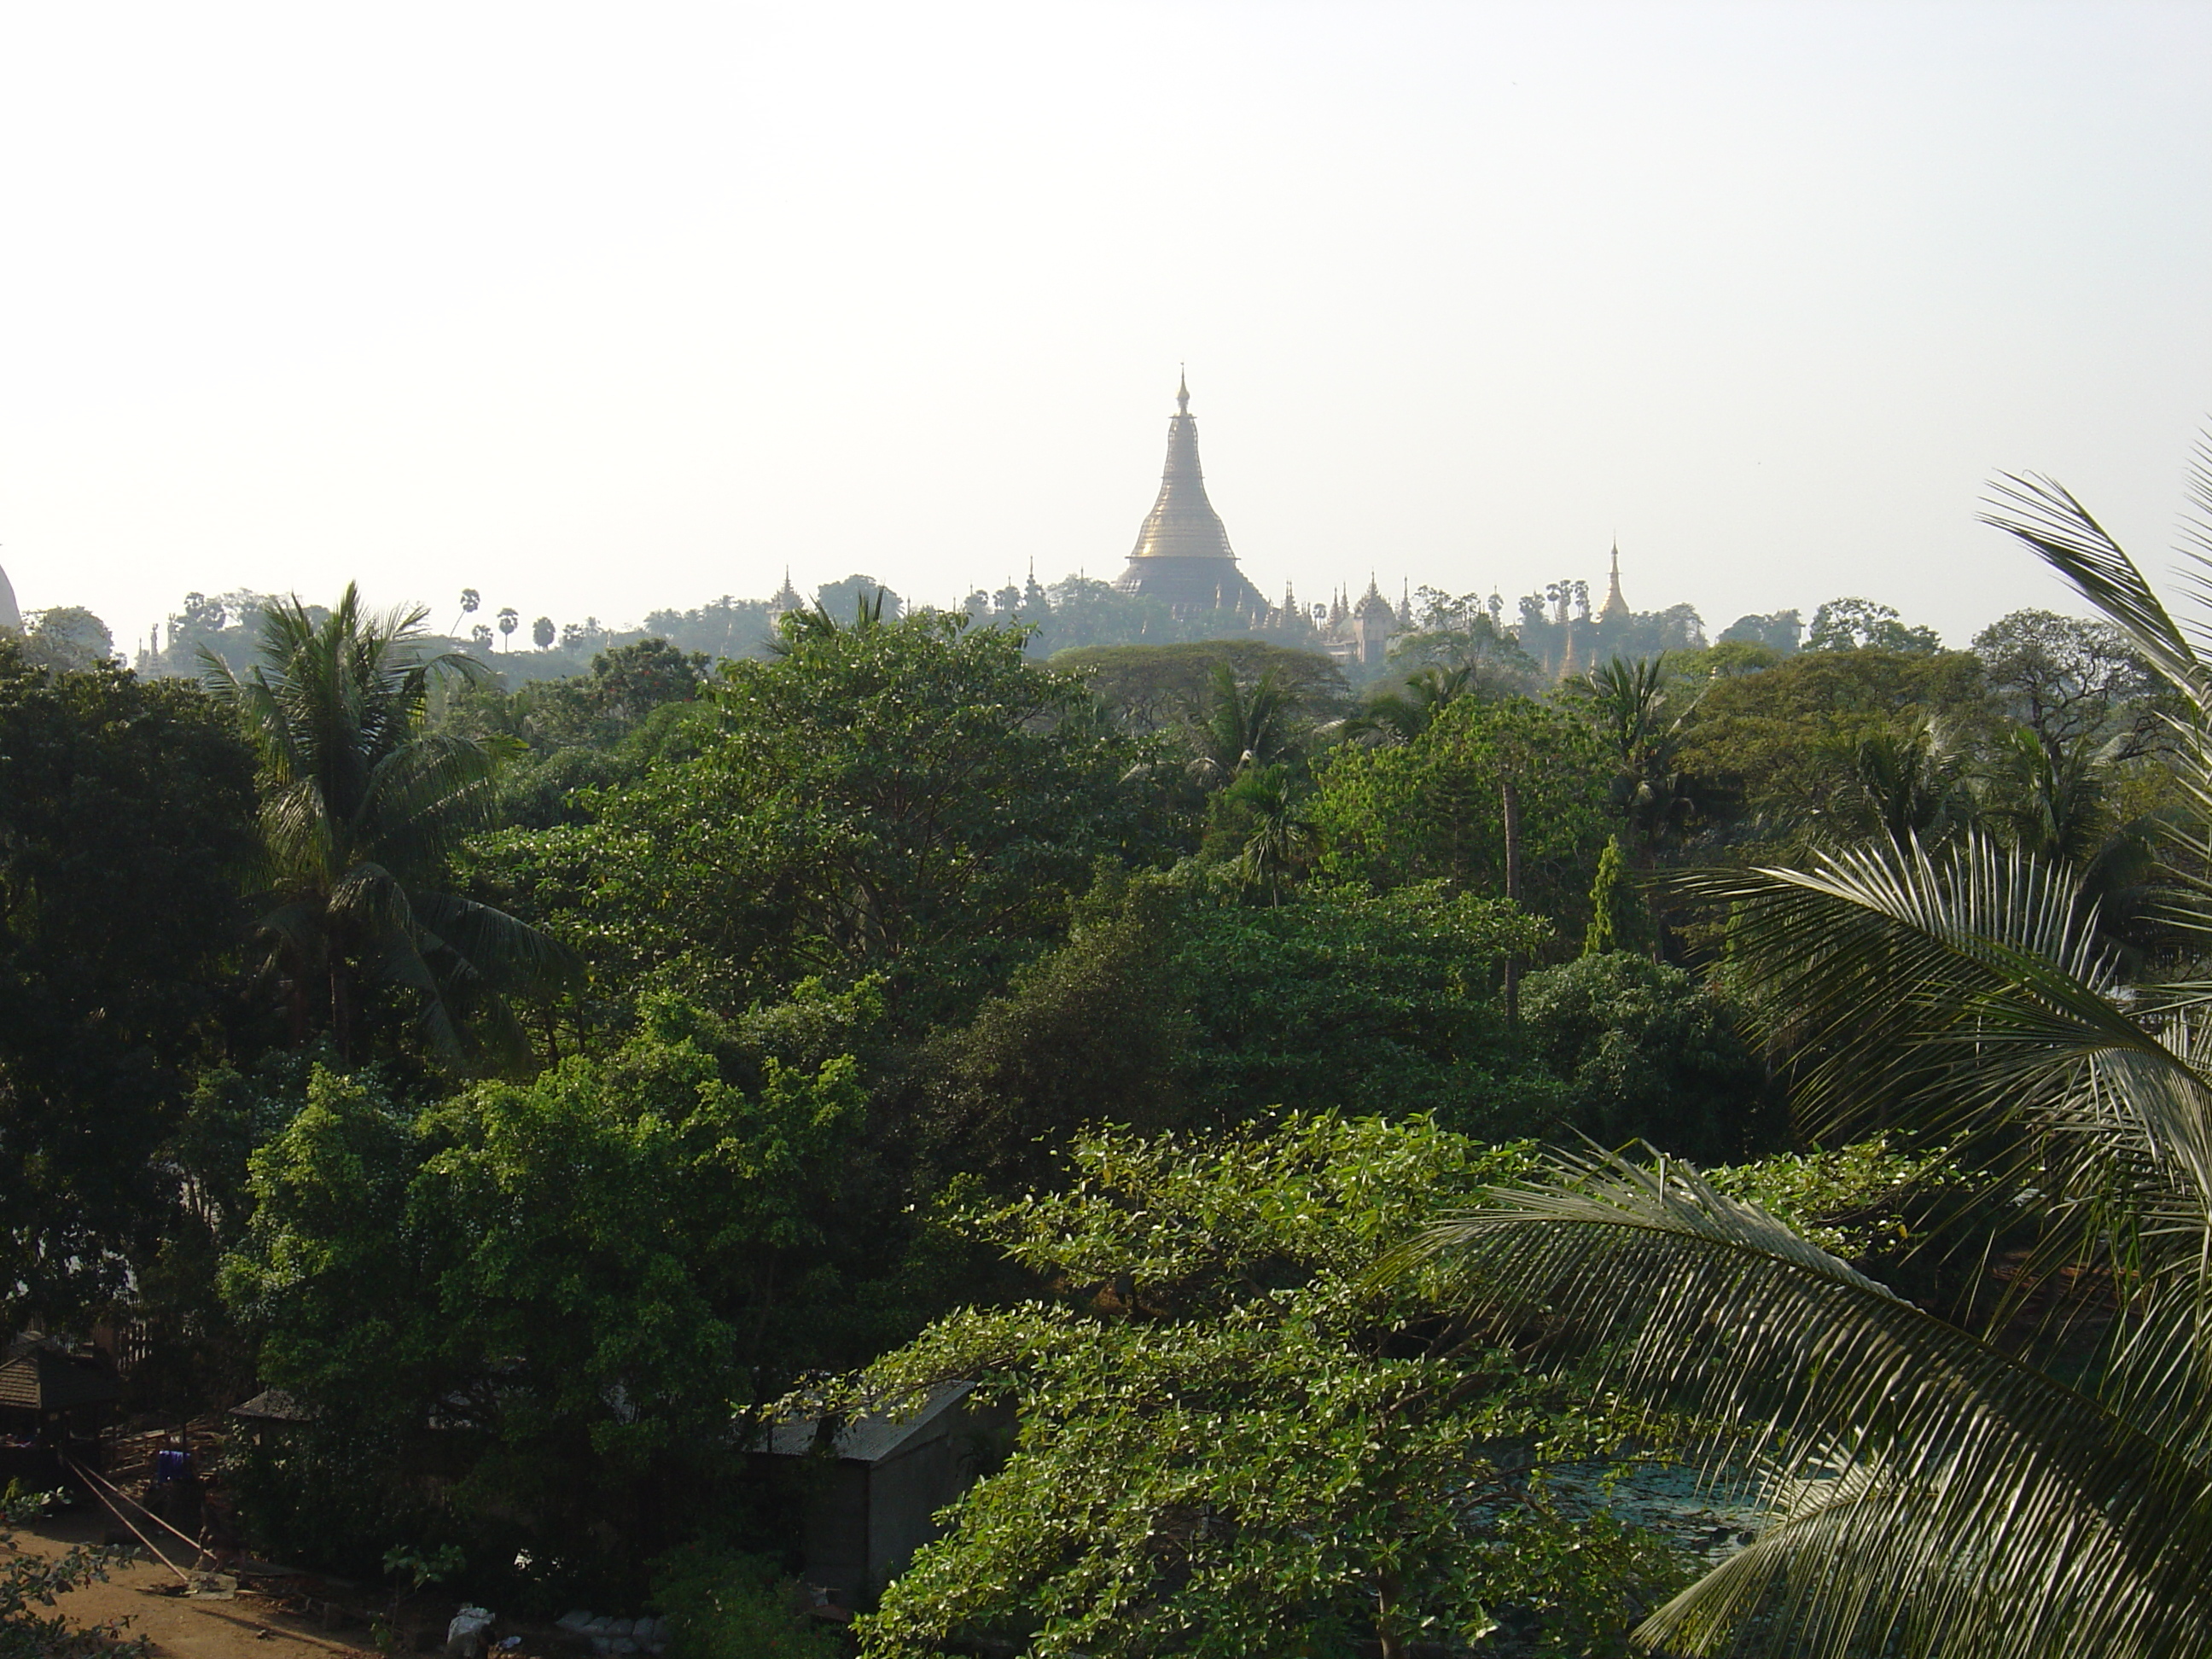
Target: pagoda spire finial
x,y
1182,389
1614,604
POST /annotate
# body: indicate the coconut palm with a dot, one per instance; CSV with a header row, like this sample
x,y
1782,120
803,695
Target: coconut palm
x,y
1243,727
1279,841
1402,714
360,808
1644,723
2057,801
1910,783
1936,1490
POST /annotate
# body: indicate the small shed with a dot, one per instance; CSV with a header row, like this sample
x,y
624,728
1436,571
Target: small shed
x,y
53,1399
877,1502
46,1377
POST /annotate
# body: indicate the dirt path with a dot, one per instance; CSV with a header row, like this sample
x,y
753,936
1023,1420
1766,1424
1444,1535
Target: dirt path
x,y
248,1628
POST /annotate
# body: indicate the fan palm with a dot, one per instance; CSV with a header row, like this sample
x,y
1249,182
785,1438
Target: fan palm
x,y
1936,1491
361,808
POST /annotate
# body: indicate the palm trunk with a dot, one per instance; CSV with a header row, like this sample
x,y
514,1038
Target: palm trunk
x,y
341,1015
1512,803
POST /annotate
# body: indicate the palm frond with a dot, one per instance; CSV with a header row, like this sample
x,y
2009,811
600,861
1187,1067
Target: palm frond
x,y
507,954
1826,1375
2043,513
422,798
1912,978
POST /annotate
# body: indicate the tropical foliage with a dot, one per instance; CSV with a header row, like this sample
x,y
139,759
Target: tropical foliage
x,y
361,807
575,1279
598,1043
125,827
1235,1437
2035,1486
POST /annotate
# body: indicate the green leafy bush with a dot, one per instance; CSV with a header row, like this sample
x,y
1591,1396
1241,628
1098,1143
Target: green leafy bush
x,y
1647,1053
1236,1436
721,1605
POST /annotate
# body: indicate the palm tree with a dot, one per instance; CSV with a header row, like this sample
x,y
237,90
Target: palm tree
x,y
1936,1490
1279,839
795,628
1243,727
1644,725
2055,801
1403,715
361,808
1909,783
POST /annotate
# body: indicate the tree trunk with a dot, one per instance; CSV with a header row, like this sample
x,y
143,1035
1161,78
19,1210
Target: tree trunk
x,y
1512,797
1387,1634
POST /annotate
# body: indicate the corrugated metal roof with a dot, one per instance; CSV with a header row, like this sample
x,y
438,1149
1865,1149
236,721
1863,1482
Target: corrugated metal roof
x,y
871,1438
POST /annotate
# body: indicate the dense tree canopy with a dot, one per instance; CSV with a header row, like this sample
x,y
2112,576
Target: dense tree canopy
x,y
1790,732
125,833
1236,1437
1092,1027
572,1280
1153,688
1432,809
908,798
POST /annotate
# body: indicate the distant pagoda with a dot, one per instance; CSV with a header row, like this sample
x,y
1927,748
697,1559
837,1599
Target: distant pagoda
x,y
1616,608
1182,556
10,618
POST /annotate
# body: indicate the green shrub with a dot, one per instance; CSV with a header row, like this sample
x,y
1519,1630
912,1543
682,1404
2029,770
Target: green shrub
x,y
721,1605
1649,1054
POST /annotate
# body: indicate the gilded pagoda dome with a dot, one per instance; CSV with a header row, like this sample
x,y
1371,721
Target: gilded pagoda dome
x,y
1182,556
10,618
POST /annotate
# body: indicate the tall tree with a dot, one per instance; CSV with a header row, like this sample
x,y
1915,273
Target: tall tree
x,y
1643,720
1853,624
1434,808
908,798
360,808
1242,728
2074,682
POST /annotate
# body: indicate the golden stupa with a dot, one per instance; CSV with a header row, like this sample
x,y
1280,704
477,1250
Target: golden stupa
x,y
1182,556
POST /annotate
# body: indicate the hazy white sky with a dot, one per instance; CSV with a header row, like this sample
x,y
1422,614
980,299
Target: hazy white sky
x,y
602,308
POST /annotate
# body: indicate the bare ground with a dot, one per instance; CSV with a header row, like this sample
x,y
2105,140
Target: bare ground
x,y
256,1626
